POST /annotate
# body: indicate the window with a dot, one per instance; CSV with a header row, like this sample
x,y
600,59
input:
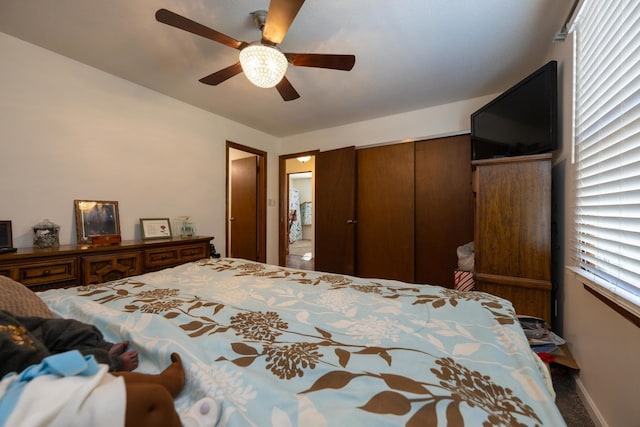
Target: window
x,y
607,129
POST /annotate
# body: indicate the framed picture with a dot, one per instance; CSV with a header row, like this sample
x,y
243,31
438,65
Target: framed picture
x,y
155,228
96,218
6,238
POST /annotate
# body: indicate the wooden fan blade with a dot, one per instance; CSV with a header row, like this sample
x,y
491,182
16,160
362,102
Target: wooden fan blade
x,y
286,90
170,18
319,60
222,75
279,18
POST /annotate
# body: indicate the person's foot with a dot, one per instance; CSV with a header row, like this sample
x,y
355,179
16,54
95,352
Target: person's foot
x,y
173,375
129,360
119,348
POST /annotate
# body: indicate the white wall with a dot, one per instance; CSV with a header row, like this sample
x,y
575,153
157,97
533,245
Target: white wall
x,y
69,131
443,120
304,187
605,345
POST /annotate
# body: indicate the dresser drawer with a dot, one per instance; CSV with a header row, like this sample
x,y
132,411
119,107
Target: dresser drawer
x,y
163,257
45,272
6,271
78,265
193,253
114,266
530,297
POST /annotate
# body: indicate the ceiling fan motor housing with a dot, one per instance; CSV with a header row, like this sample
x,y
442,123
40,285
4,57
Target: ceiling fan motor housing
x,y
259,18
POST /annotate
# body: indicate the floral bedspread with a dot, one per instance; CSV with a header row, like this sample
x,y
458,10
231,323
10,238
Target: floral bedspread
x,y
284,347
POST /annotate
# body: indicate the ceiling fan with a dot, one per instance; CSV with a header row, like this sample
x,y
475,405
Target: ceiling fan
x,y
262,61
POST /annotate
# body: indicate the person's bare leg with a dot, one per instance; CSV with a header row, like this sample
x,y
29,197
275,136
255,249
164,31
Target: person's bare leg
x,y
149,404
172,378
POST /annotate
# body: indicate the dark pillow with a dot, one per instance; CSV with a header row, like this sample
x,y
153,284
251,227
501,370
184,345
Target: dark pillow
x,y
20,300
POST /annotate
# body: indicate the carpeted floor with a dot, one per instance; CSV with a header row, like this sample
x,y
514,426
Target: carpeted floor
x,y
567,399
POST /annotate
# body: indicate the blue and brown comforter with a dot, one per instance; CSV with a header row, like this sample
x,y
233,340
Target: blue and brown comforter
x,y
283,347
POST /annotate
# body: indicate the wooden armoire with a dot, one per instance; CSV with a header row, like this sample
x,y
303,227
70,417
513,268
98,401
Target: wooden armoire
x,y
513,231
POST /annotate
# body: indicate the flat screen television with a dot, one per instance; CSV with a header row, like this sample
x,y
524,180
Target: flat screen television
x,y
521,121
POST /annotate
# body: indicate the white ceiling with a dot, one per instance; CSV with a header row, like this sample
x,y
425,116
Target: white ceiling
x,y
410,54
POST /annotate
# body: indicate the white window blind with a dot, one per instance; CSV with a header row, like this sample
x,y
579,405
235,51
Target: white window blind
x,y
607,129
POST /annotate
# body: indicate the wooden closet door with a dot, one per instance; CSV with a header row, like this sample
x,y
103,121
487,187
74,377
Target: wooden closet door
x,y
385,207
335,211
444,207
244,209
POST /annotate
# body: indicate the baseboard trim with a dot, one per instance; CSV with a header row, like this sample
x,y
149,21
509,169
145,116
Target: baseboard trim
x,y
589,405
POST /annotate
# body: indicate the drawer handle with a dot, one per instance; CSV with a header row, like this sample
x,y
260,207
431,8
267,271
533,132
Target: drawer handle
x,y
46,272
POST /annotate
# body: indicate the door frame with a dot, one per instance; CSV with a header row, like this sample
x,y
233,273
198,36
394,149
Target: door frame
x,y
283,214
261,202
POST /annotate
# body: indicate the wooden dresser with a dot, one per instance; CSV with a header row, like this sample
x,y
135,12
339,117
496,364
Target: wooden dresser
x,y
78,265
513,231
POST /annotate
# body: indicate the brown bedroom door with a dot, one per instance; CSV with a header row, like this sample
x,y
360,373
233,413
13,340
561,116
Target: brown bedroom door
x,y
335,211
244,209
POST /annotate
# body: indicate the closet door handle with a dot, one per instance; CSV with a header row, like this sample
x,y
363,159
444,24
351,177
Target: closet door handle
x,y
232,219
352,221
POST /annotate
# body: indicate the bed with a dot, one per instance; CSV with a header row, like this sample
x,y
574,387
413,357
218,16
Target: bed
x,y
276,346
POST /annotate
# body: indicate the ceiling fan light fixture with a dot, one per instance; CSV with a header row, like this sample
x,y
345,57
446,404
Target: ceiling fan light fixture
x,y
263,65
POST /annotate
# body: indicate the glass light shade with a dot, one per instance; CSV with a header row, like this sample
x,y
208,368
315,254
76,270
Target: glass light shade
x,y
263,65
303,159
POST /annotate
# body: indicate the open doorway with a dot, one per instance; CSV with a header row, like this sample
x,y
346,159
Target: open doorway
x,y
297,211
246,203
300,221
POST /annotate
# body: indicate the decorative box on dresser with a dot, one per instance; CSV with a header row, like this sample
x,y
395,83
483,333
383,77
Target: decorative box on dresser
x,y
513,231
83,264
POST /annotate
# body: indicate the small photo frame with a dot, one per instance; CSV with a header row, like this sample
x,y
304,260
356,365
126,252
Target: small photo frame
x,y
155,228
96,218
6,237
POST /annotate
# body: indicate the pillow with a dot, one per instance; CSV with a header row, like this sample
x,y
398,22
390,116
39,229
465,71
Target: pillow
x,y
20,300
